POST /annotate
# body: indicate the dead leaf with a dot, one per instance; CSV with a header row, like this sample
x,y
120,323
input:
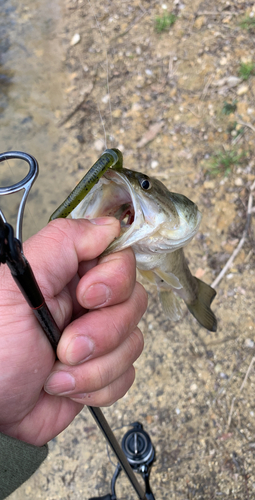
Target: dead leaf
x,y
199,273
225,436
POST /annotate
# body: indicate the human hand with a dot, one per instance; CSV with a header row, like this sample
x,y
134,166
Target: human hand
x,y
40,396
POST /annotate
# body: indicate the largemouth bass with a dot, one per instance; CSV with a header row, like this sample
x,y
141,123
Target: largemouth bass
x,y
157,224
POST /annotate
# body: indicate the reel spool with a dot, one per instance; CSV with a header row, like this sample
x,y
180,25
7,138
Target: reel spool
x,y
138,448
140,453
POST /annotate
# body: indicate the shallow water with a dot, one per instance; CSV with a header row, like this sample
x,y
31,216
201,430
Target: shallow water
x,y
32,92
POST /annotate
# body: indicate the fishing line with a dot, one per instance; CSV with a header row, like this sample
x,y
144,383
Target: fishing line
x,y
10,168
107,74
102,123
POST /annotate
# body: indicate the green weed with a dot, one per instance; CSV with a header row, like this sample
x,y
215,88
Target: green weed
x,y
229,108
164,22
248,23
223,161
246,70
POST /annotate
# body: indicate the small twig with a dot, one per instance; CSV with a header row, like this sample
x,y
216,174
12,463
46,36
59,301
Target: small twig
x,y
215,13
249,125
241,242
206,87
193,112
78,106
247,258
132,24
230,260
230,414
171,70
72,113
247,374
237,139
210,13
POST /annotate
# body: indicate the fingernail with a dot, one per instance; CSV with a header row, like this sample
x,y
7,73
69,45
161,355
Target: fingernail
x,y
60,383
103,221
80,396
79,349
96,295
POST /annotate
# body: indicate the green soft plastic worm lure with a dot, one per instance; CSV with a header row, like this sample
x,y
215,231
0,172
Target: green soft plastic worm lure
x,y
111,158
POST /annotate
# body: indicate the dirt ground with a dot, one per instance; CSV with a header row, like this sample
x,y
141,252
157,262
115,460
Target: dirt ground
x,y
177,103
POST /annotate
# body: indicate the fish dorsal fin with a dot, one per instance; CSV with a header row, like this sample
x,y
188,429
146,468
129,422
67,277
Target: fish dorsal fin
x,y
171,304
169,278
201,307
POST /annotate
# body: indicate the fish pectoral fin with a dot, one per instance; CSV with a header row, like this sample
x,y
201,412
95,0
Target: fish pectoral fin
x,y
201,307
148,276
169,278
171,304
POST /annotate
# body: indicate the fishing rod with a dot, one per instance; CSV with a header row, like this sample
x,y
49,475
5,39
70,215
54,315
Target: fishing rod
x,y
137,452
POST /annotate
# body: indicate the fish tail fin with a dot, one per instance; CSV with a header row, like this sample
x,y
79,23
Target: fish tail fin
x,y
201,307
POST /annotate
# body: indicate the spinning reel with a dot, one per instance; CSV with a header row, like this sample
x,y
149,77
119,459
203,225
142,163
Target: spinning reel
x,y
140,453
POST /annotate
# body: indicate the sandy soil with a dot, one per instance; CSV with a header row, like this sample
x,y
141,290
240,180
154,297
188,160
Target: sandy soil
x,y
180,111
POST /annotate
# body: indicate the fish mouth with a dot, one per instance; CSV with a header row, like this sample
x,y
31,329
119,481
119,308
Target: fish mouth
x,y
115,196
118,199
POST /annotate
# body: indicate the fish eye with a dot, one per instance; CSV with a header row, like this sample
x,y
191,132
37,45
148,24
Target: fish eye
x,y
145,184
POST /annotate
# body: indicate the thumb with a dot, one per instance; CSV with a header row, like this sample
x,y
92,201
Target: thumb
x,y
55,252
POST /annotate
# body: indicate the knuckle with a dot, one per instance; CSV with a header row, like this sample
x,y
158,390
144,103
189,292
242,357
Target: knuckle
x,y
135,344
124,256
141,298
119,329
119,388
138,341
103,376
122,264
110,400
92,379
